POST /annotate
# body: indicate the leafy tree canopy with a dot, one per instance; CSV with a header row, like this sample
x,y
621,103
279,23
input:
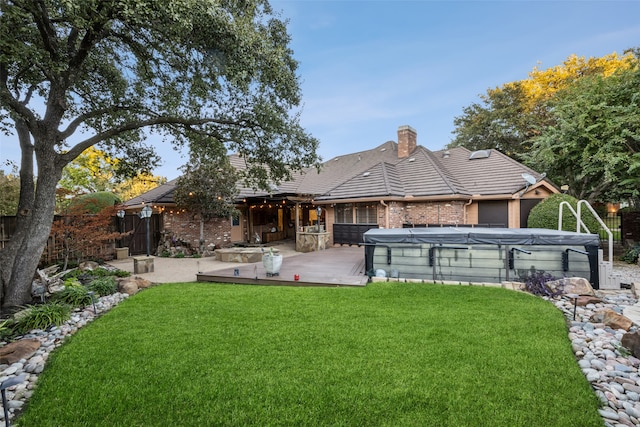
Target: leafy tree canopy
x,y
139,184
595,137
91,171
509,116
77,74
94,202
94,171
555,121
9,193
207,187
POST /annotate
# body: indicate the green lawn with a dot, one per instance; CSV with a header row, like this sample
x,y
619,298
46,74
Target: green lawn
x,y
388,354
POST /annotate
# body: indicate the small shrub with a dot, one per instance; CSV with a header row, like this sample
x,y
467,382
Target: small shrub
x,y
73,273
545,214
6,328
72,282
75,296
103,286
41,316
165,254
179,255
122,273
87,276
631,256
536,284
99,272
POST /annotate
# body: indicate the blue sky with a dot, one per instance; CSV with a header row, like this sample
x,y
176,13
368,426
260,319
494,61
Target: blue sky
x,y
368,67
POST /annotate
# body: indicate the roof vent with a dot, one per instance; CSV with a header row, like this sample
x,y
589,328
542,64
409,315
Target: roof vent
x,y
366,174
446,154
413,159
480,154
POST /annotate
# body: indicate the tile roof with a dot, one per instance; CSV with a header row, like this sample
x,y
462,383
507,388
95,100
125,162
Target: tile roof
x,y
161,194
379,172
492,175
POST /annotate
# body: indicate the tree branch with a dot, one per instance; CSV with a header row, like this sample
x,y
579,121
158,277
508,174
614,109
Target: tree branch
x,y
47,32
77,149
8,99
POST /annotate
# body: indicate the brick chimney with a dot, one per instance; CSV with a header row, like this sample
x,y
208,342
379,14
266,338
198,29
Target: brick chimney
x,y
407,137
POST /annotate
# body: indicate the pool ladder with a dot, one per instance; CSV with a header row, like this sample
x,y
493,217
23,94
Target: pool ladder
x,y
607,278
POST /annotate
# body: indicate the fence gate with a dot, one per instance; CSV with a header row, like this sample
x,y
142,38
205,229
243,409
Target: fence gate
x,y
630,228
137,239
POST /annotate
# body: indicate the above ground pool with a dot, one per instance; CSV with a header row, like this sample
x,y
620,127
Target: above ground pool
x,y
480,255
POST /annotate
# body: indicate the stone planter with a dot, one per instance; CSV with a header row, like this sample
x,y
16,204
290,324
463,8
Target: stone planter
x,y
272,264
122,253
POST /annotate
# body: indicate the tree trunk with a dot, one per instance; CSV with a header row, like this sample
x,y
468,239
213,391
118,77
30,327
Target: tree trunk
x,y
20,259
20,263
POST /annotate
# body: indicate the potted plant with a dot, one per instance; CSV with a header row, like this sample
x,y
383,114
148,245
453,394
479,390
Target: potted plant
x,y
272,263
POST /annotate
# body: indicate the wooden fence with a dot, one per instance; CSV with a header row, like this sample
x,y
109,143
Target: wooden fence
x,y
132,225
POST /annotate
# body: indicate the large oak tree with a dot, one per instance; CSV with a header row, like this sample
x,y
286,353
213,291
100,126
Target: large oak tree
x,y
79,73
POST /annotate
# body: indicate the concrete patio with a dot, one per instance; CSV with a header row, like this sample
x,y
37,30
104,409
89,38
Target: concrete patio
x,y
335,266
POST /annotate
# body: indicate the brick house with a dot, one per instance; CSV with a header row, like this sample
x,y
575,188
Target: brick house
x,y
397,184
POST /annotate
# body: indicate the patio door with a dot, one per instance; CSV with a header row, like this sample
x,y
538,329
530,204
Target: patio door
x,y
236,228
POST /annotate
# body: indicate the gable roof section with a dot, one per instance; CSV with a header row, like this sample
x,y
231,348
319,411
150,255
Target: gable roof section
x,y
423,175
341,169
381,180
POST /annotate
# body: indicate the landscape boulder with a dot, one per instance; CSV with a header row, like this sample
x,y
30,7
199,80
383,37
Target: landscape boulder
x,y
585,300
131,285
612,319
88,266
128,286
14,351
572,285
142,283
631,340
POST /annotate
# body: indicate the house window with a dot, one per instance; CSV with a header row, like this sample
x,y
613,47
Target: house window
x,y
344,213
366,213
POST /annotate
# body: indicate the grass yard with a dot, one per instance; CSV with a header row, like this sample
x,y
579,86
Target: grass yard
x,y
388,354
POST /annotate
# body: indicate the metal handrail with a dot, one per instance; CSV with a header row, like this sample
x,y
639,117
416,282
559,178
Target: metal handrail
x,y
602,224
580,223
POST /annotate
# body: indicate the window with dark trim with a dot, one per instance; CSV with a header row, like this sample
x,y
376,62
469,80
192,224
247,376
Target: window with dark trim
x,y
344,213
363,213
366,213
